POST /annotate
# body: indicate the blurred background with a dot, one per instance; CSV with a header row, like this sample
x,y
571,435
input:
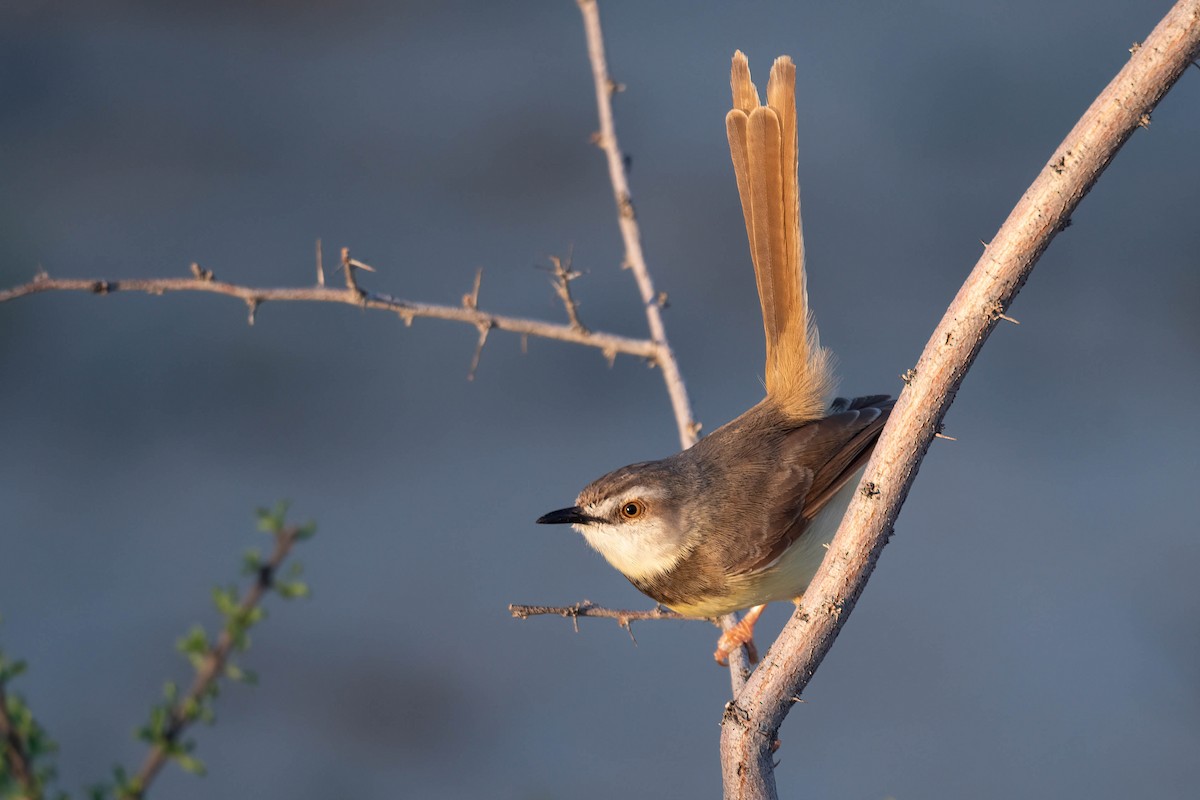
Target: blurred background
x,y
1031,629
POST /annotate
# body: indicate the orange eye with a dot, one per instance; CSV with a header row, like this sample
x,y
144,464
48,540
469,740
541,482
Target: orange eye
x,y
633,509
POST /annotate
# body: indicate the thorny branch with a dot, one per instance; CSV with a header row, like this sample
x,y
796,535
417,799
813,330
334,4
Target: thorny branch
x,y
748,731
635,261
203,281
587,608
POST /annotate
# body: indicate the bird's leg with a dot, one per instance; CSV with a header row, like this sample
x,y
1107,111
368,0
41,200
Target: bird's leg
x,y
738,635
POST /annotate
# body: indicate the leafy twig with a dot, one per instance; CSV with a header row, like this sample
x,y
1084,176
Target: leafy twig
x,y
169,722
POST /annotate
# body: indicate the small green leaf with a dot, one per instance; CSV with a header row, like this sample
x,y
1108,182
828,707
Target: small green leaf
x,y
290,590
252,561
273,520
190,764
225,599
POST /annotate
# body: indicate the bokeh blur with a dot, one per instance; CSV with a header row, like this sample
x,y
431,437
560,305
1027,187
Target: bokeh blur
x,y
1031,629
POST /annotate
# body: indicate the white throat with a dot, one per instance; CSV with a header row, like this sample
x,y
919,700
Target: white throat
x,y
639,551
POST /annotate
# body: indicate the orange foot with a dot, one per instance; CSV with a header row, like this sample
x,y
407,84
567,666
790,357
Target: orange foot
x,y
738,635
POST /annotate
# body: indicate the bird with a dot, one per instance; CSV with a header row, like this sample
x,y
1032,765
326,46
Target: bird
x,y
744,517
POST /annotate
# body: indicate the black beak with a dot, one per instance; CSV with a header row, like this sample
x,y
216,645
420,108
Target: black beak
x,y
564,516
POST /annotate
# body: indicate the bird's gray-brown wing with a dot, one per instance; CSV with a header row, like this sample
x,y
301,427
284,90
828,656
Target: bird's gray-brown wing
x,y
817,460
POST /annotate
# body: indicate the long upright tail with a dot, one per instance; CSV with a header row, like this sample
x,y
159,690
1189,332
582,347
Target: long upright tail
x,y
762,142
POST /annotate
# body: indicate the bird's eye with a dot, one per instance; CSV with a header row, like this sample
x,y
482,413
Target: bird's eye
x,y
633,509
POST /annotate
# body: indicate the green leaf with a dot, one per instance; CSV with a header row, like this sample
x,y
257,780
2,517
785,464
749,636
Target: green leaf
x,y
273,520
290,590
190,764
252,562
225,599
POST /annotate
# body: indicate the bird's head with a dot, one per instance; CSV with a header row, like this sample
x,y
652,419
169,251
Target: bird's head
x,y
633,517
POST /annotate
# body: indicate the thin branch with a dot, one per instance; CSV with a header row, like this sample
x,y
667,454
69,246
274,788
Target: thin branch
x,y
609,344
210,668
563,275
635,261
587,608
749,728
15,753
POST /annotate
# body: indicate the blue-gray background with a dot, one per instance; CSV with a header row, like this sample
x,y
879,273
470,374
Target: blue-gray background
x,y
1031,630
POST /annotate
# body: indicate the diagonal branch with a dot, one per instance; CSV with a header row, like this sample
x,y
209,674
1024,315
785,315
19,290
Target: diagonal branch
x,y
752,721
185,712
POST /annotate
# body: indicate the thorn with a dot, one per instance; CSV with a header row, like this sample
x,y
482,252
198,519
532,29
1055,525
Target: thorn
x,y
41,274
1133,48
998,313
662,300
628,626
471,299
610,355
597,139
348,266
524,344
908,375
944,436
1144,121
252,304
614,87
201,274
484,328
345,267
407,316
320,265
986,245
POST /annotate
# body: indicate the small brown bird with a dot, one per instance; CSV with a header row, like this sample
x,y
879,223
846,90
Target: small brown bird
x,y
743,517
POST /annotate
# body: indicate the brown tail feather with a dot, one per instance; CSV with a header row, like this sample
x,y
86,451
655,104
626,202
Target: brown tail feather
x,y
762,143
